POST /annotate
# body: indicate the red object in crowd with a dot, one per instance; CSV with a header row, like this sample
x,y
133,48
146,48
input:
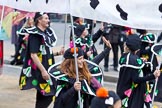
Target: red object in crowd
x,y
1,53
128,30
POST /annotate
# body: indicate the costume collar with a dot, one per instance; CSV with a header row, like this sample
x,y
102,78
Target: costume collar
x,y
48,35
95,70
131,60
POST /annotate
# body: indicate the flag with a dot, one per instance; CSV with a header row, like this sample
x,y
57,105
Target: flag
x,y
52,6
130,13
7,24
9,20
135,14
6,10
5,28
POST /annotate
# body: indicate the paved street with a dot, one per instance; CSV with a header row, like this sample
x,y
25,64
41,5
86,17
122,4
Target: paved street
x,y
12,96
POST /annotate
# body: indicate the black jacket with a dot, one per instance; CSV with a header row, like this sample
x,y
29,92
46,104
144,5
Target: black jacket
x,y
68,98
131,75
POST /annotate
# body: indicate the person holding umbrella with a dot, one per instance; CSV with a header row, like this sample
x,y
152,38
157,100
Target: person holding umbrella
x,y
68,86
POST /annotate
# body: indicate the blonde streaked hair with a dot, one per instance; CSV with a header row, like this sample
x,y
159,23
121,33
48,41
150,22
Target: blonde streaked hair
x,y
27,24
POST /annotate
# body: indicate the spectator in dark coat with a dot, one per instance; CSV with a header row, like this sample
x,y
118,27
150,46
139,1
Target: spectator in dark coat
x,y
113,35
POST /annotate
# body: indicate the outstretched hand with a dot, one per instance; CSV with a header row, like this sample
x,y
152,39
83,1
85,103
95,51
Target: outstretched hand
x,y
107,42
62,50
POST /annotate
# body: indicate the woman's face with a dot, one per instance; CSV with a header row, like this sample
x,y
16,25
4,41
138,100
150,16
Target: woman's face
x,y
80,61
30,22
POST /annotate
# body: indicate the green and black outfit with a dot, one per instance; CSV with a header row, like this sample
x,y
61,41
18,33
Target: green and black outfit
x,y
66,96
131,86
87,44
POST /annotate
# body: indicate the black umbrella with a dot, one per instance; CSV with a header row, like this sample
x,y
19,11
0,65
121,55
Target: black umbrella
x,y
95,70
93,67
157,49
149,38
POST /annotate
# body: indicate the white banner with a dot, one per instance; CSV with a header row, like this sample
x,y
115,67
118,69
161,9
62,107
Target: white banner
x,y
53,6
144,14
132,13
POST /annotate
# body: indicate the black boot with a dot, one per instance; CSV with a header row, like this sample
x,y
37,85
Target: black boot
x,y
18,62
13,62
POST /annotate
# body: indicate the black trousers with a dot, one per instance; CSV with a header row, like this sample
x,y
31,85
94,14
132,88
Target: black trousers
x,y
115,56
106,59
121,45
42,101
